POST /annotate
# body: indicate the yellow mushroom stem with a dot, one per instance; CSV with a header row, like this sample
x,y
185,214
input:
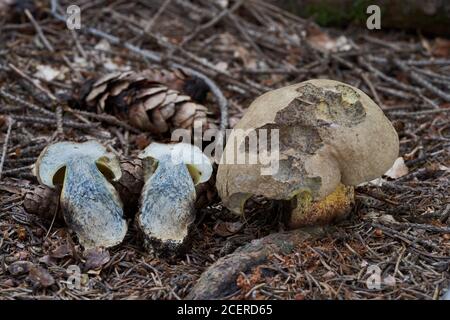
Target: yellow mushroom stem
x,y
334,207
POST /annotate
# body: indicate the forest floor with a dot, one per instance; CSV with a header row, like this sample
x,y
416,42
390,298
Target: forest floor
x,y
398,233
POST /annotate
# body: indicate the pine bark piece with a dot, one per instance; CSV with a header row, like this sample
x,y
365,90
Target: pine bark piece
x,y
219,280
153,100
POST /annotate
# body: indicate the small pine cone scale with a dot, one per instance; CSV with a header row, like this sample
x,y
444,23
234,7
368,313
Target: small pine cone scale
x,y
151,100
130,185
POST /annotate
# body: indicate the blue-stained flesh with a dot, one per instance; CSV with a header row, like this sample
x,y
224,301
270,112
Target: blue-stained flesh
x,y
91,205
167,203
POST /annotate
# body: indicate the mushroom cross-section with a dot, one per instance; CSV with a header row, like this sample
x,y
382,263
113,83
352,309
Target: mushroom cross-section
x,y
332,137
167,200
91,206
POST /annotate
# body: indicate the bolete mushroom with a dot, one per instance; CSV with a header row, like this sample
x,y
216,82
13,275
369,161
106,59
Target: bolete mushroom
x,y
332,137
168,197
91,205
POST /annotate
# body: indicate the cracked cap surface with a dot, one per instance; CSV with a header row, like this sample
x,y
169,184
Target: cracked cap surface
x,y
329,133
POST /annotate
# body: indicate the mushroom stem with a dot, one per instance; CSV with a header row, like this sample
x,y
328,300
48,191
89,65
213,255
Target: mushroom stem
x,y
168,197
308,212
167,204
91,206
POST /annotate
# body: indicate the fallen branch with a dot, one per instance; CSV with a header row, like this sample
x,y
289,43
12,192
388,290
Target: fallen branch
x,y
53,122
33,83
39,31
420,80
105,118
26,104
212,22
5,144
219,280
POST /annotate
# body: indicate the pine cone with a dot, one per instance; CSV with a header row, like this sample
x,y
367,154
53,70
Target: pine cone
x,y
130,185
150,100
42,201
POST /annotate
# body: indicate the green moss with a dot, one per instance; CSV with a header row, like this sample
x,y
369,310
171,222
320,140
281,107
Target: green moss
x,y
393,14
326,14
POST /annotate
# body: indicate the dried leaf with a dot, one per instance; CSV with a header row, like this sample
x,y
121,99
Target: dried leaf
x,y
3,121
378,182
46,73
299,296
9,282
321,41
96,258
103,45
142,141
226,229
19,267
62,251
389,281
387,218
222,66
441,48
4,4
47,260
398,169
41,277
223,3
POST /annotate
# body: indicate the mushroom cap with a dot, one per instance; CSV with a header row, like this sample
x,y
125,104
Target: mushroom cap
x,y
198,163
329,133
56,156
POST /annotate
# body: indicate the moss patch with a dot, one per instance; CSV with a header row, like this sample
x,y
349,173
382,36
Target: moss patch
x,y
326,15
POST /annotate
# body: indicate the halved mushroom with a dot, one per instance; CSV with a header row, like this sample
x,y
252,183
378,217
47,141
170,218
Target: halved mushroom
x,y
168,197
332,137
91,205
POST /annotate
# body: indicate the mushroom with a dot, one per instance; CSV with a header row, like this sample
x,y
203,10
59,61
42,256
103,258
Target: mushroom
x,y
167,201
91,205
332,137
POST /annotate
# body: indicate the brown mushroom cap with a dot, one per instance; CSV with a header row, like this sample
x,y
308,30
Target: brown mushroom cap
x,y
329,133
